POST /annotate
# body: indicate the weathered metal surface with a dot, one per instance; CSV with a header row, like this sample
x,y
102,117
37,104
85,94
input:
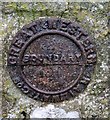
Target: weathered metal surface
x,y
51,59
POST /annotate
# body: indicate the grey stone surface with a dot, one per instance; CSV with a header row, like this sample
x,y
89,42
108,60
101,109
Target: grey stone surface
x,y
93,102
51,112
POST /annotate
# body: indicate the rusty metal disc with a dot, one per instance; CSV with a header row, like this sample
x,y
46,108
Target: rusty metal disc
x,y
51,59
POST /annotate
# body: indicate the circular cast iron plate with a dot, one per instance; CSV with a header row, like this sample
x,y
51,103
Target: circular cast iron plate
x,y
51,59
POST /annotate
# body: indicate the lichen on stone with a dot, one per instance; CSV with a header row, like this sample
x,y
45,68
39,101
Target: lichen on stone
x,y
93,102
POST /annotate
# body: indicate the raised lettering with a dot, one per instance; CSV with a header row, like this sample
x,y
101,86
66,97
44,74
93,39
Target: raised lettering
x,y
19,43
55,57
28,32
12,60
64,26
63,58
14,51
44,24
71,57
25,89
26,58
71,29
52,24
34,29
